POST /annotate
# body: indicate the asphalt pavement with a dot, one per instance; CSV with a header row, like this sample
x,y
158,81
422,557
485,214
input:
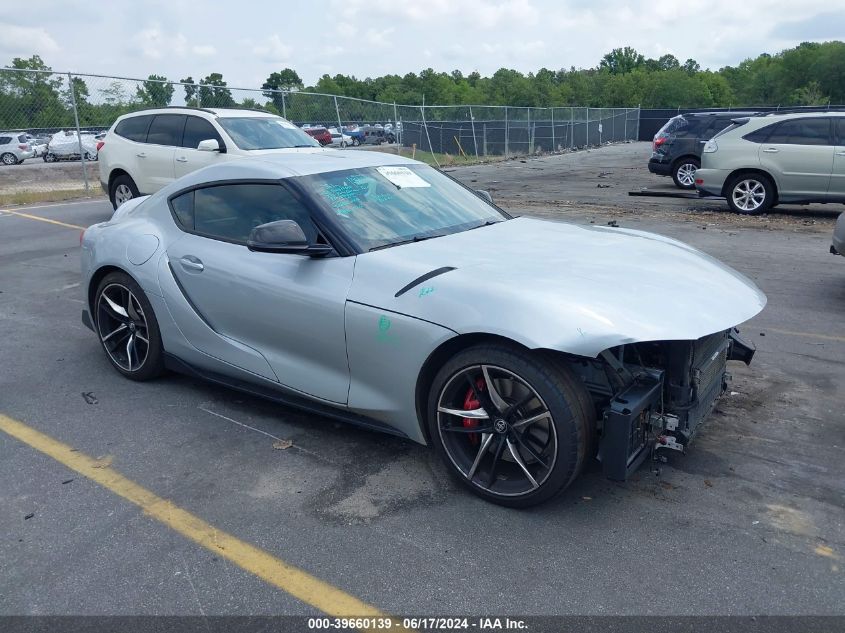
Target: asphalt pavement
x,y
749,521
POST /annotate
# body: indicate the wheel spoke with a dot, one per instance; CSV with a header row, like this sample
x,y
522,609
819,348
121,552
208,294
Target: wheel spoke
x,y
500,447
518,459
129,350
531,452
119,311
472,414
514,408
121,328
488,439
141,338
132,313
534,418
500,404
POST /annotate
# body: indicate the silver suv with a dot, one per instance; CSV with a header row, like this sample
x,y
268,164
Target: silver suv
x,y
758,162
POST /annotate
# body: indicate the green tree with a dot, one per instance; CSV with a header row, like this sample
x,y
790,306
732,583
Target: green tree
x,y
190,90
155,92
214,93
621,60
285,80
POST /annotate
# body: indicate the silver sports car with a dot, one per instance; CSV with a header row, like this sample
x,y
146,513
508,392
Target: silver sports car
x,y
371,288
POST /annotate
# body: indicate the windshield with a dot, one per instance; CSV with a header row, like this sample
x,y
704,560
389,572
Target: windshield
x,y
382,206
265,133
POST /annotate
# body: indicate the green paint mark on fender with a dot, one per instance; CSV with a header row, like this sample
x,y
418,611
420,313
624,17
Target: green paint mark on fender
x,y
427,290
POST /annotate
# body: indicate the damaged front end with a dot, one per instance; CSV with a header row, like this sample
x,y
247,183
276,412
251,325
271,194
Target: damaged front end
x,y
655,395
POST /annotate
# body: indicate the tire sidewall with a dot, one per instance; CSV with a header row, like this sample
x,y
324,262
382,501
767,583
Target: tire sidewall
x,y
541,376
154,363
14,159
768,202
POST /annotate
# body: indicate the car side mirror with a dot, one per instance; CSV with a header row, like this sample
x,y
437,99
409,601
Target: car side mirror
x,y
284,236
211,145
485,194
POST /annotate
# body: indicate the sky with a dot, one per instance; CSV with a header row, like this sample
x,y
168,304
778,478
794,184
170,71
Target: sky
x,y
249,39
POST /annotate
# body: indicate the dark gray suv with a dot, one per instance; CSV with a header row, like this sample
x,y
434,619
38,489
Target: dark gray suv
x,y
676,149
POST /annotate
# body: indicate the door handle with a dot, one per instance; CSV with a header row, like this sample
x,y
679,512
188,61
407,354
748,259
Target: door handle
x,y
840,153
141,155
191,263
181,159
771,150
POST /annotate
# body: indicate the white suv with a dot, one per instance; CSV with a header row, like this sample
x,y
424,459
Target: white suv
x,y
14,148
146,150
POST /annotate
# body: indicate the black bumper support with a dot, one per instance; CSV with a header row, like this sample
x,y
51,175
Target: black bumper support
x,y
739,348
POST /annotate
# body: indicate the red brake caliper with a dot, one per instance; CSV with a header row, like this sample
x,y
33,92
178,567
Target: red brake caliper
x,y
470,403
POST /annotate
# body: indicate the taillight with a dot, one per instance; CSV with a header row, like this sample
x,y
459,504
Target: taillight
x,y
23,146
100,145
658,141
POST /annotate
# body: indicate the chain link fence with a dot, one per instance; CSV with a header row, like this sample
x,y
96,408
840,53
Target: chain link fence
x,y
49,124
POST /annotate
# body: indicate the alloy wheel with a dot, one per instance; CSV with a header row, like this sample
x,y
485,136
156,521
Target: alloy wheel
x,y
497,430
122,327
9,159
686,174
749,195
122,193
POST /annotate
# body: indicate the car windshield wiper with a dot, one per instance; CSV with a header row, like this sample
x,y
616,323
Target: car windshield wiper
x,y
487,223
410,240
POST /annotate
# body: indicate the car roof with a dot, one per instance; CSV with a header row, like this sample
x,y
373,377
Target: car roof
x,y
725,113
286,164
219,112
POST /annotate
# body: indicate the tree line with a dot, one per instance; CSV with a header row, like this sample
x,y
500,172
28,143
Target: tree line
x,y
810,74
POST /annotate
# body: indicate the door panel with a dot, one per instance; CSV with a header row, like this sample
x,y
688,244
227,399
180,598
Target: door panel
x,y
799,153
188,158
837,178
288,307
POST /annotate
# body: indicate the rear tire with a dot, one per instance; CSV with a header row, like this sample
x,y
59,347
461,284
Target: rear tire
x,y
123,189
750,194
127,328
9,159
538,437
683,172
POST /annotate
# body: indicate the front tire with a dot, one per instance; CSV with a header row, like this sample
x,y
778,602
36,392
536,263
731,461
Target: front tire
x,y
123,189
9,159
49,158
127,328
750,194
511,425
683,172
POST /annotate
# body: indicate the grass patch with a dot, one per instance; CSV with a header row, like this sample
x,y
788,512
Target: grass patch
x,y
33,197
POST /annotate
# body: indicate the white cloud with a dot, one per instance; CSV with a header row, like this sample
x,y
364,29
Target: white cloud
x,y
378,37
272,50
204,50
22,40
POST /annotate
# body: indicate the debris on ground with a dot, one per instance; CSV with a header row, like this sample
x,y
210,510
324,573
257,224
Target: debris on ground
x,y
29,516
67,481
613,223
281,445
708,483
90,398
103,461
605,174
603,186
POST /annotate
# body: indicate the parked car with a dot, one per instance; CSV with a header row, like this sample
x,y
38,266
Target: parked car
x,y
319,133
837,246
676,148
372,135
146,150
66,146
759,162
319,280
14,148
339,139
356,133
38,148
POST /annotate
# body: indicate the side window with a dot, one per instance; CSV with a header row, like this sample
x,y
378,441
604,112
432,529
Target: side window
x,y
166,129
814,131
183,210
761,135
840,122
5,140
230,212
196,130
134,128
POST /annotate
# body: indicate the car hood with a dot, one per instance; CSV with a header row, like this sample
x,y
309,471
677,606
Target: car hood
x,y
578,289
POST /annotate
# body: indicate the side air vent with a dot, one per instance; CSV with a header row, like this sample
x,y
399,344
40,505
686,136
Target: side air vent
x,y
424,278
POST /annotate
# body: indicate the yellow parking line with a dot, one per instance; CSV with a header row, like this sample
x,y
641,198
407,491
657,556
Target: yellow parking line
x,y
38,217
296,582
825,337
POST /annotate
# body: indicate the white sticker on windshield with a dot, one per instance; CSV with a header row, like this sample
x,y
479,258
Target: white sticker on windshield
x,y
287,124
402,177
